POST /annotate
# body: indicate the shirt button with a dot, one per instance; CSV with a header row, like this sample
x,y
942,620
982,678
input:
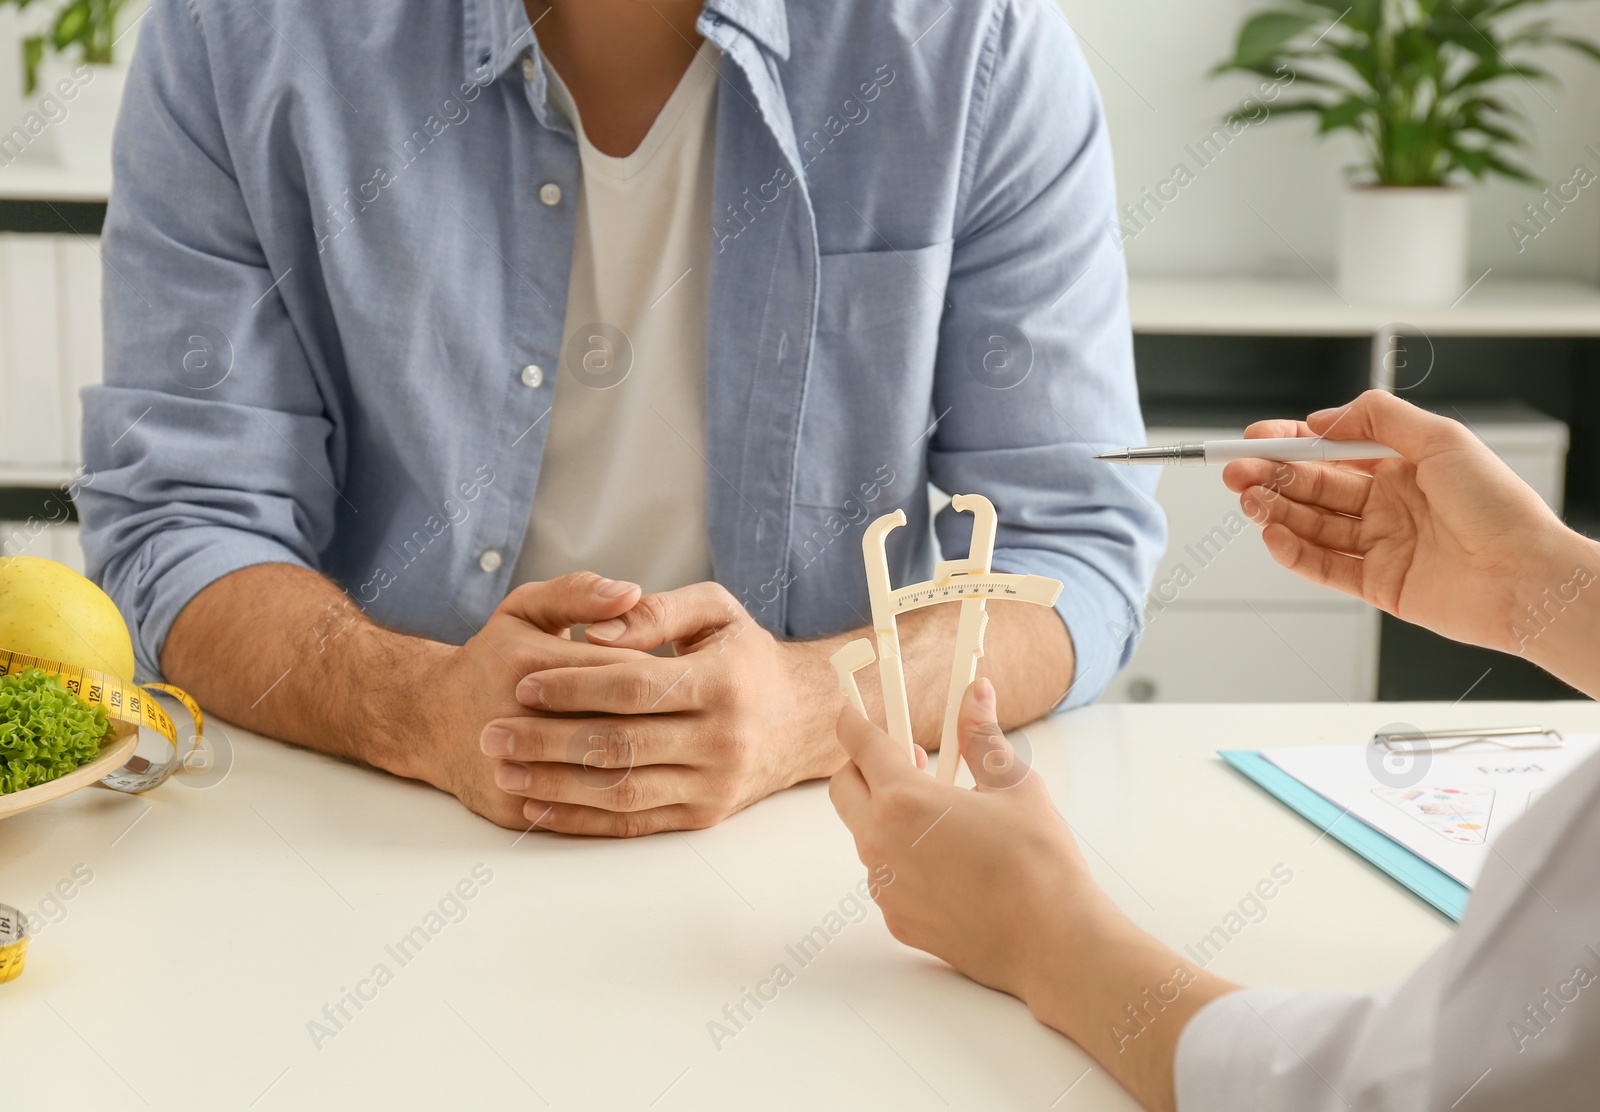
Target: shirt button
x,y
550,193
530,69
489,561
533,376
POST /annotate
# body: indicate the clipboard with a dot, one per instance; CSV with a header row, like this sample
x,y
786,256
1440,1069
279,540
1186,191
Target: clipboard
x,y
1443,892
1352,825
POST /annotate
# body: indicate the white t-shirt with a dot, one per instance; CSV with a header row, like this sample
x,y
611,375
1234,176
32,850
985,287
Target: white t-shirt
x,y
622,488
1504,1016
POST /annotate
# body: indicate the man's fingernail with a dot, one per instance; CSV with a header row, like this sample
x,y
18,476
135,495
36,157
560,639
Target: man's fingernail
x,y
614,588
1323,414
530,693
983,694
496,741
608,630
537,811
513,778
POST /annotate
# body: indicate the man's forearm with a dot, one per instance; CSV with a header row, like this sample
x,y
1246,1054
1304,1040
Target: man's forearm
x,y
279,649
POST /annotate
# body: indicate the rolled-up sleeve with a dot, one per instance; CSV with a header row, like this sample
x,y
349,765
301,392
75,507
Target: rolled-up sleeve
x,y
209,447
1035,370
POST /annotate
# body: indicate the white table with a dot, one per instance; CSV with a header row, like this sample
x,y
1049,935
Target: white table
x,y
219,923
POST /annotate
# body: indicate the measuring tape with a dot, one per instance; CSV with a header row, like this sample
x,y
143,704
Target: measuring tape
x,y
123,702
13,943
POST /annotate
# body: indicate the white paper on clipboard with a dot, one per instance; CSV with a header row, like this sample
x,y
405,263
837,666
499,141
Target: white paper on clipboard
x,y
1450,806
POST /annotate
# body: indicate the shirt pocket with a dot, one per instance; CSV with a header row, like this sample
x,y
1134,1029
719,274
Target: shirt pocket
x,y
870,386
867,290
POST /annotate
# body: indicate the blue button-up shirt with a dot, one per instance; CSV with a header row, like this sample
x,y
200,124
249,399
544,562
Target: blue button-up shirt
x,y
332,249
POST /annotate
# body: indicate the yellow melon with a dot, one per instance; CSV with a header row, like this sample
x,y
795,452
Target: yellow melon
x,y
49,610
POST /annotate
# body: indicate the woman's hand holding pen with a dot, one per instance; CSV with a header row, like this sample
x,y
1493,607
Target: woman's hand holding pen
x,y
1447,537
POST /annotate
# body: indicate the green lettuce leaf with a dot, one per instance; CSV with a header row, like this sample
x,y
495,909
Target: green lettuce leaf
x,y
45,730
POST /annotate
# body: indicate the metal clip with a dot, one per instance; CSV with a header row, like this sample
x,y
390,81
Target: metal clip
x,y
1440,741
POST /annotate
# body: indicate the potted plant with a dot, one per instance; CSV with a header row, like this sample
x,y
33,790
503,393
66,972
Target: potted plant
x,y
71,67
1420,82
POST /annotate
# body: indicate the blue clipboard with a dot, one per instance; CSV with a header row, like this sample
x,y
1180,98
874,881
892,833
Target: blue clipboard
x,y
1444,892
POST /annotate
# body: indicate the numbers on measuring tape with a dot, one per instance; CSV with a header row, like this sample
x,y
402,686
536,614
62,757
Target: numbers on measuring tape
x,y
1022,588
123,702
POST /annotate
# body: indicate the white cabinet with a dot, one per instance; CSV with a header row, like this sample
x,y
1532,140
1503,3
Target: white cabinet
x,y
49,350
1259,653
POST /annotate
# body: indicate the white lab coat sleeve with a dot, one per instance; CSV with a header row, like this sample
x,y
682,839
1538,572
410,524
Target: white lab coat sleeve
x,y
1506,1015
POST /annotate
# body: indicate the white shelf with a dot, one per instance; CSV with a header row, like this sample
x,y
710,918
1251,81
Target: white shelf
x,y
1296,307
41,477
37,178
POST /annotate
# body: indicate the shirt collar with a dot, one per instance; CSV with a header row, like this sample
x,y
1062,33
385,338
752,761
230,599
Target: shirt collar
x,y
497,32
766,21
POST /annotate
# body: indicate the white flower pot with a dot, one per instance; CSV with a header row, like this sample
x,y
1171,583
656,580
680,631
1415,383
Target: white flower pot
x,y
83,114
1404,245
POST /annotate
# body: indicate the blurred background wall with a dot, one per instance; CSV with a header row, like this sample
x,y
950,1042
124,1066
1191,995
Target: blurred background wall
x,y
1151,58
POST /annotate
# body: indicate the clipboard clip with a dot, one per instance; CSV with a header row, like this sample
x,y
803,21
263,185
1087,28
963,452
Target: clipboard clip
x,y
1440,741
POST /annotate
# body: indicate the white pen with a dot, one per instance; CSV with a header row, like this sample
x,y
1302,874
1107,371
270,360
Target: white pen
x,y
1279,449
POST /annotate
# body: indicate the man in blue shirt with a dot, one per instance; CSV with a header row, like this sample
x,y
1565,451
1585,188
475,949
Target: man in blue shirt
x,y
344,255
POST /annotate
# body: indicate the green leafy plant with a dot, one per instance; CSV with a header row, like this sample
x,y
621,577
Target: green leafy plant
x,y
45,730
1417,80
88,25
